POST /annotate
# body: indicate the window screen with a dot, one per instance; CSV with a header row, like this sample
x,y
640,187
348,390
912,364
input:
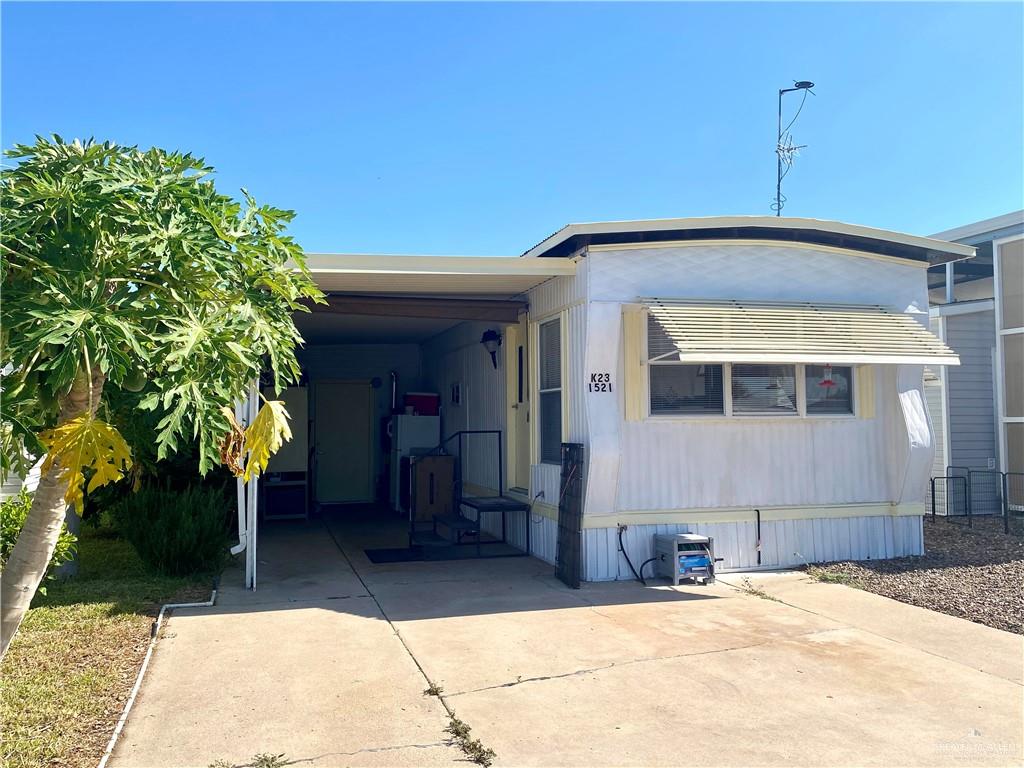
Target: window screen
x,y
829,389
551,355
686,389
551,392
551,427
763,389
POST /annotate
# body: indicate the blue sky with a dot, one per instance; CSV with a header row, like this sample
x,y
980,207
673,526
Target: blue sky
x,y
482,128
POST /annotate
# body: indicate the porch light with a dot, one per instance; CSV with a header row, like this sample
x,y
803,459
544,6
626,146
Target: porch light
x,y
491,341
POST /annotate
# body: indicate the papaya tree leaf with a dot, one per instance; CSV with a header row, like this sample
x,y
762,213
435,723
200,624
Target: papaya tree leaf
x,y
265,436
81,443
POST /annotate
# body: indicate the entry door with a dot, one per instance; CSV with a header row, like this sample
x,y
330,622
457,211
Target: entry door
x,y
344,442
517,389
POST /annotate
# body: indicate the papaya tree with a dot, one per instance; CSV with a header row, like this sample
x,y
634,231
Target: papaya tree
x,y
125,270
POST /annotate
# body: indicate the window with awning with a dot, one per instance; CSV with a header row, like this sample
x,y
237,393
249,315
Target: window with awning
x,y
769,332
745,358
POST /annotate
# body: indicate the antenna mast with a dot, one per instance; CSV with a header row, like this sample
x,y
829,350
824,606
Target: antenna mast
x,y
785,150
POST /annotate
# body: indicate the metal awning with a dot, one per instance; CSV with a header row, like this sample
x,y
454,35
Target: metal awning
x,y
774,332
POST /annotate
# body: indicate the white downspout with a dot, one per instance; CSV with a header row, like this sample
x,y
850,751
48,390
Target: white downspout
x,y
246,494
240,416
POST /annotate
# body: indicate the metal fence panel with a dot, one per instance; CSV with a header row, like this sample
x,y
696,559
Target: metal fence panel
x,y
986,489
950,497
1013,495
968,495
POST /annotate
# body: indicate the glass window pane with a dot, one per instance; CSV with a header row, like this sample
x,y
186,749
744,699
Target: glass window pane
x,y
829,388
551,355
551,427
767,389
686,389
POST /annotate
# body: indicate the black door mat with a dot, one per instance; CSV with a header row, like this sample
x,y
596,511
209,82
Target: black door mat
x,y
419,554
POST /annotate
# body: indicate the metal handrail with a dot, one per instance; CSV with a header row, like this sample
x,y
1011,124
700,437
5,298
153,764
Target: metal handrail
x,y
501,459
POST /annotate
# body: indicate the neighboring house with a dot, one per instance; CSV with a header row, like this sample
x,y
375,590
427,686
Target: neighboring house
x,y
977,308
756,379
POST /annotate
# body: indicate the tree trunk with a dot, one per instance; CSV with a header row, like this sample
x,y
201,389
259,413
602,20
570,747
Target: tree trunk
x,y
73,523
31,554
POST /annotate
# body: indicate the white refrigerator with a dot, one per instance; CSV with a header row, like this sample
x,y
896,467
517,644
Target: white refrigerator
x,y
409,433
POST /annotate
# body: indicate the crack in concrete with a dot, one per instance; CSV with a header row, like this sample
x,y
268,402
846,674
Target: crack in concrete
x,y
452,720
628,662
366,750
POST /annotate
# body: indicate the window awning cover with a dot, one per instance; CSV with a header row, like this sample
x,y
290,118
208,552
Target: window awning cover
x,y
702,331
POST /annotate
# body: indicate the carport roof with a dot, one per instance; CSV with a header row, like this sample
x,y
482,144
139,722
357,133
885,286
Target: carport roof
x,y
492,276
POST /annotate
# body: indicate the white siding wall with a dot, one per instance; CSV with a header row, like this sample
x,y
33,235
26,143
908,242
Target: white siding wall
x,y
706,463
784,543
933,396
566,294
721,463
695,464
456,356
767,272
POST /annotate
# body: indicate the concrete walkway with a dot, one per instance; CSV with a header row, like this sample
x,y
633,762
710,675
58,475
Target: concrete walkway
x,y
306,666
613,674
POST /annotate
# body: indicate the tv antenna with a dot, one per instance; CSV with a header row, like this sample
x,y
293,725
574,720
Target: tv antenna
x,y
785,150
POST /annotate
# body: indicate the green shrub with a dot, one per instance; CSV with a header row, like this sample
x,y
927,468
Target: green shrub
x,y
13,512
177,532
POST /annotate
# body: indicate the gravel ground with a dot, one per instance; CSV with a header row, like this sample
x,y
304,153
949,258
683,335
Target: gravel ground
x,y
975,573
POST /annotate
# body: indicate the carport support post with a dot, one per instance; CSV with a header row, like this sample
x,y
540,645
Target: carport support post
x,y
250,551
250,506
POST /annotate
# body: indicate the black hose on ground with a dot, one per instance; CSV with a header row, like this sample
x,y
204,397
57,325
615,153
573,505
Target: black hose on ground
x,y
645,562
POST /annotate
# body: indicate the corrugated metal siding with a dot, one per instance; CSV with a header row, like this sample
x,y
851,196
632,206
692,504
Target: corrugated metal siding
x,y
557,295
546,478
456,356
695,464
933,398
784,543
558,292
972,422
576,385
544,539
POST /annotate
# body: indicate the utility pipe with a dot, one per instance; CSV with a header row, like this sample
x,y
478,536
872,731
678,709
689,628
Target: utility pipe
x,y
240,416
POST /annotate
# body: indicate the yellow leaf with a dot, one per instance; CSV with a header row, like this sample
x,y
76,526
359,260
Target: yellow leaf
x,y
86,442
265,436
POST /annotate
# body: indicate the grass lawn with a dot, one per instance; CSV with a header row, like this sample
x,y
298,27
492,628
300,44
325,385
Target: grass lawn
x,y
69,671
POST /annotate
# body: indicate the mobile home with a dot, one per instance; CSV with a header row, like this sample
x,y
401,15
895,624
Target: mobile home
x,y
755,379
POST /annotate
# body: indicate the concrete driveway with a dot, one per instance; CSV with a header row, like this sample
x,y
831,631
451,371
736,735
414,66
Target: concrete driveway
x,y
328,661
